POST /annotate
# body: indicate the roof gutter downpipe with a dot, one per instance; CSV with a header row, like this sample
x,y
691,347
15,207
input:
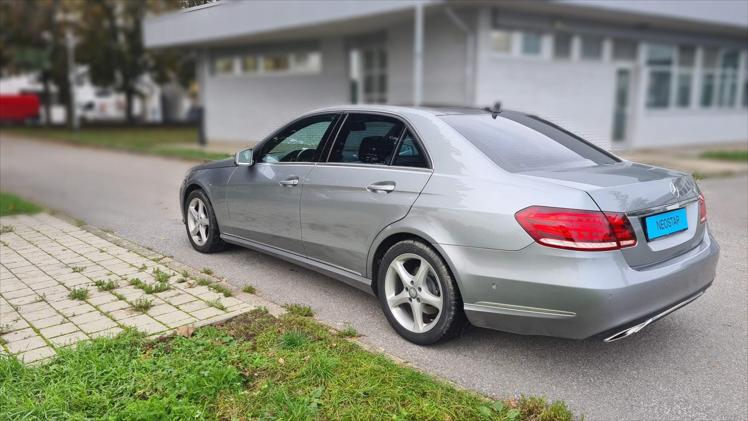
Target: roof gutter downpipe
x,y
418,55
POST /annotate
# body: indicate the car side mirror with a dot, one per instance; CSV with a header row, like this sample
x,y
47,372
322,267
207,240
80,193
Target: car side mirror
x,y
244,158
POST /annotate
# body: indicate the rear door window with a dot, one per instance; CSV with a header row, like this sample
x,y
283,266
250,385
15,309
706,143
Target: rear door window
x,y
409,154
519,142
367,139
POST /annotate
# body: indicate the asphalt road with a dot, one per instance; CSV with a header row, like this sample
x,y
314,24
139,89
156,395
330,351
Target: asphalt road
x,y
691,365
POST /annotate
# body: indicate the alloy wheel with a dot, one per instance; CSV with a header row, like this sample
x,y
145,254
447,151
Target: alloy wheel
x,y
413,292
198,222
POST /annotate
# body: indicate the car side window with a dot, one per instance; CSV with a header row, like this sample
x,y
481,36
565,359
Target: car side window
x,y
298,142
409,154
367,139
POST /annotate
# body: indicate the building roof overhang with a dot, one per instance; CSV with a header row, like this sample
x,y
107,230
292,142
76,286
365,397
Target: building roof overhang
x,y
227,22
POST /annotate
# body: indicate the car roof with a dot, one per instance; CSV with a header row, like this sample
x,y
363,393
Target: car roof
x,y
435,110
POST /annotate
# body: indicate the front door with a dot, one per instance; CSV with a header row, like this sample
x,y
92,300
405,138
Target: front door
x,y
263,200
375,171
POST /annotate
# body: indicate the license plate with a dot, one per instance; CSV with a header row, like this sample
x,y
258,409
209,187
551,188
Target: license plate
x,y
666,223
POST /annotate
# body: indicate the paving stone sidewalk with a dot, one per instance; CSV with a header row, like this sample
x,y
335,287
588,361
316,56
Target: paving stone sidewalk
x,y
44,258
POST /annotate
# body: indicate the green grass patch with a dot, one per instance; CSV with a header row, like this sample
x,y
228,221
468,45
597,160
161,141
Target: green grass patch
x,y
300,310
207,271
249,289
204,282
734,155
253,367
105,284
78,294
216,304
142,304
162,141
159,286
11,204
160,275
348,332
221,290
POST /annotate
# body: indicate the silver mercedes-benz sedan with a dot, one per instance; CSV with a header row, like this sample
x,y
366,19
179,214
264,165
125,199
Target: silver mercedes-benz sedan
x,y
494,217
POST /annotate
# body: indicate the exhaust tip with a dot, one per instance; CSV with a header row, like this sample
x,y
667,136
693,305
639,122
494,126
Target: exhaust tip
x,y
627,332
637,328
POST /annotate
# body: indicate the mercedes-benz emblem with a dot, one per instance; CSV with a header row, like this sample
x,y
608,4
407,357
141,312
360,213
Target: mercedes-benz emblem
x,y
674,190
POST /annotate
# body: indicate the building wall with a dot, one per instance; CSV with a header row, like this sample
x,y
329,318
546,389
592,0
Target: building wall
x,y
576,96
579,94
245,108
444,58
658,129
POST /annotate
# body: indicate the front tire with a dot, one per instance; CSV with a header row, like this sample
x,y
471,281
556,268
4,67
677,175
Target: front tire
x,y
418,294
201,223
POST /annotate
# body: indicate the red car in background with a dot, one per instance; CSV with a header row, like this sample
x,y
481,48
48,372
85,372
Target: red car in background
x,y
19,108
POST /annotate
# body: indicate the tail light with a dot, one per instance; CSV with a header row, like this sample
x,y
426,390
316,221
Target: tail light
x,y
574,229
702,209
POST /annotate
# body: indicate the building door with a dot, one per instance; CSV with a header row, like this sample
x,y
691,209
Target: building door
x,y
622,104
368,74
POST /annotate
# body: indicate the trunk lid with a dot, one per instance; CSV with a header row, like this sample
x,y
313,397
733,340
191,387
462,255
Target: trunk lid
x,y
639,191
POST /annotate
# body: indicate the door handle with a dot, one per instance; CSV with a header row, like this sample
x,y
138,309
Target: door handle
x,y
290,182
381,187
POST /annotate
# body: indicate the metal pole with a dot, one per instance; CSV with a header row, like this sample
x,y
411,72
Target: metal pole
x,y
418,55
70,41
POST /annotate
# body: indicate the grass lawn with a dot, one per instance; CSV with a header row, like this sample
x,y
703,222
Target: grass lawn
x,y
162,141
253,367
736,155
13,205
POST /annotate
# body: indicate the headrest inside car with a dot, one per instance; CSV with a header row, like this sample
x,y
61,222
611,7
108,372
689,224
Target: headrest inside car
x,y
375,149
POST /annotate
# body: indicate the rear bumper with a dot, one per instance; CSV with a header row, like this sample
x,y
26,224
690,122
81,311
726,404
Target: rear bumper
x,y
550,292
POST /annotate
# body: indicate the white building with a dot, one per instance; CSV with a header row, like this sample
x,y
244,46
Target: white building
x,y
622,74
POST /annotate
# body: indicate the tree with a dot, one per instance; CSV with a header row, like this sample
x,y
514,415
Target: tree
x,y
32,39
112,45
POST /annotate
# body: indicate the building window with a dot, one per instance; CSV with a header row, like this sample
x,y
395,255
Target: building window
x,y
660,60
592,47
531,43
728,80
223,65
310,62
562,46
709,77
501,41
250,64
686,60
276,63
624,50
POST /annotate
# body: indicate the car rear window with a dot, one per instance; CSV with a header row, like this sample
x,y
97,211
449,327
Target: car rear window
x,y
519,142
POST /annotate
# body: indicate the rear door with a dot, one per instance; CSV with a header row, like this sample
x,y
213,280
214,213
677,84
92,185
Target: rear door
x,y
375,170
263,199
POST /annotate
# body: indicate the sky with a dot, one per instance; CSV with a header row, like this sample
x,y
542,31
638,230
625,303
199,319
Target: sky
x,y
734,12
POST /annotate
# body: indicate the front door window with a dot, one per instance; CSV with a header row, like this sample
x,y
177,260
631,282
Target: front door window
x,y
298,142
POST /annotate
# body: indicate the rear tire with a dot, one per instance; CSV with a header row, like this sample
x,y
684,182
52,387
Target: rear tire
x,y
201,223
418,294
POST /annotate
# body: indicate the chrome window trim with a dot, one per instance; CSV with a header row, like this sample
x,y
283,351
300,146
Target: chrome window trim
x,y
663,208
374,166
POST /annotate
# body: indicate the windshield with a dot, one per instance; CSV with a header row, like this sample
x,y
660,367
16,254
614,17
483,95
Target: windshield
x,y
519,142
